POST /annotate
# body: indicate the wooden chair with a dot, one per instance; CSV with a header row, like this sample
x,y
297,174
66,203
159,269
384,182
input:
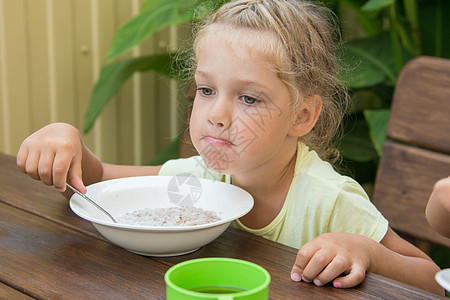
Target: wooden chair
x,y
417,152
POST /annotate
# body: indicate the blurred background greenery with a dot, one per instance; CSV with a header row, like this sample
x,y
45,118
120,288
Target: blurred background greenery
x,y
379,37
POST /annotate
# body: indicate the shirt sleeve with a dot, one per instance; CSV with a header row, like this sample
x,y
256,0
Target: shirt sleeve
x,y
355,213
192,166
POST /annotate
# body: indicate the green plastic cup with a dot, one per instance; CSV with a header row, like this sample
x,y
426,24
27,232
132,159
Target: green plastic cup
x,y
217,278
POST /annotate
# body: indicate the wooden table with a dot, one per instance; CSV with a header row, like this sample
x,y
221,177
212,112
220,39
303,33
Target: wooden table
x,y
46,251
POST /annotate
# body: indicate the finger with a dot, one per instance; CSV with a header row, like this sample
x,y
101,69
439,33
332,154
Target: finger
x,y
31,165
75,176
45,167
302,259
61,165
21,157
317,263
337,266
79,185
354,277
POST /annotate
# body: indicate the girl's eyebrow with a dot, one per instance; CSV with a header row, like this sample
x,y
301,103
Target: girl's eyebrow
x,y
245,83
237,82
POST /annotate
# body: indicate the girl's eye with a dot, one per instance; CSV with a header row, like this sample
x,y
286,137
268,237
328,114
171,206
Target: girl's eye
x,y
249,100
206,91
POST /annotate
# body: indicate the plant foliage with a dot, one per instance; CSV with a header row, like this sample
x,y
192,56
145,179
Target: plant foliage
x,y
395,31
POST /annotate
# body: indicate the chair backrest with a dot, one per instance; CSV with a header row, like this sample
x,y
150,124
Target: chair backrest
x,y
417,152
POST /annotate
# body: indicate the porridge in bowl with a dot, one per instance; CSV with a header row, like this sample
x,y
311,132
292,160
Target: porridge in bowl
x,y
171,216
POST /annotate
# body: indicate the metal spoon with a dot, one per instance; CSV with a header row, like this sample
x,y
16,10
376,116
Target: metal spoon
x,y
92,202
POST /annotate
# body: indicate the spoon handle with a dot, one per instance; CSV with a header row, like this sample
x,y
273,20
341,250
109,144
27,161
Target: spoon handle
x,y
92,202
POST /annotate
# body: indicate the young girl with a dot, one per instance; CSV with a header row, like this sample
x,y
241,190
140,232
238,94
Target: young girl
x,y
263,118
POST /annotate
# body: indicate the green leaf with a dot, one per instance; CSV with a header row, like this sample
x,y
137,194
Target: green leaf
x,y
357,149
368,62
113,76
172,151
371,24
155,15
356,76
356,144
412,16
333,5
376,5
377,120
435,27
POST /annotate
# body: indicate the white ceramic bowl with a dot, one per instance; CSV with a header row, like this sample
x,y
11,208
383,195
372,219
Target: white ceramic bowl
x,y
123,195
443,278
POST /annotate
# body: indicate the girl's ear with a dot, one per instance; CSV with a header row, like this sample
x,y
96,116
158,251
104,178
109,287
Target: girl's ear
x,y
307,116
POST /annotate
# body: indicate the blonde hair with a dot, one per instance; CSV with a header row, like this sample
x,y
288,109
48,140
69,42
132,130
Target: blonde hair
x,y
304,53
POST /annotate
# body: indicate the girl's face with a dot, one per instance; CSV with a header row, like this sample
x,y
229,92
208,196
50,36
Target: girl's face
x,y
240,119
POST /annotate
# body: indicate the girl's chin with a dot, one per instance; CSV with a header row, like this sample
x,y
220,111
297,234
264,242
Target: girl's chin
x,y
215,159
222,168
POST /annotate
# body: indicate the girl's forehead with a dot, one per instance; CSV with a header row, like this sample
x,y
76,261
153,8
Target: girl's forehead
x,y
262,43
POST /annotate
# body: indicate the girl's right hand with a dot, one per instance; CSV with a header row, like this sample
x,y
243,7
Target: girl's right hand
x,y
53,155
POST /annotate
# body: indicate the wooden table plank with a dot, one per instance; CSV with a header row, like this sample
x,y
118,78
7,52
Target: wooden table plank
x,y
21,191
7,292
279,262
71,259
47,260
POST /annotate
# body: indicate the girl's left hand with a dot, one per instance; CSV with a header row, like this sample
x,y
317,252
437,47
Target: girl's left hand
x,y
329,255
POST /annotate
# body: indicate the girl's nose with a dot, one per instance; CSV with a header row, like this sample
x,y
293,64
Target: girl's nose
x,y
219,114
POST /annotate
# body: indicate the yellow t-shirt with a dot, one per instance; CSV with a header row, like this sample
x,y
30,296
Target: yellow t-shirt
x,y
319,200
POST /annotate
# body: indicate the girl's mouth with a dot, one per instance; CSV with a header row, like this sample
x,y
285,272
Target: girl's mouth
x,y
217,142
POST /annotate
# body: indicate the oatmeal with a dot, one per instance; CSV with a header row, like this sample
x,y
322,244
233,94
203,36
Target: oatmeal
x,y
171,216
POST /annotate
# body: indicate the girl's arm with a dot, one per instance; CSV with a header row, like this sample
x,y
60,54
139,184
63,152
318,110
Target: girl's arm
x,y
438,207
94,170
328,256
398,259
119,171
55,154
